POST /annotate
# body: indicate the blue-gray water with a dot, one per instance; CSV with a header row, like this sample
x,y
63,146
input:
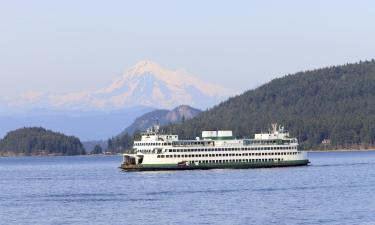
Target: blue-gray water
x,y
337,188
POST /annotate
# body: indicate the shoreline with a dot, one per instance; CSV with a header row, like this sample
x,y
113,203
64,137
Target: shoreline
x,y
341,150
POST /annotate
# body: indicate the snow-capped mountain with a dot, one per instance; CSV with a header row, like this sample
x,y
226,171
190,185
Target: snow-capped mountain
x,y
144,84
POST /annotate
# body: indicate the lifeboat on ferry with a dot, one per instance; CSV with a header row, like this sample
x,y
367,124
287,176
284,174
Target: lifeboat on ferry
x,y
183,163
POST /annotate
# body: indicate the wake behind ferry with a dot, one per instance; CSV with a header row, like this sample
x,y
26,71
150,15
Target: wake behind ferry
x,y
214,150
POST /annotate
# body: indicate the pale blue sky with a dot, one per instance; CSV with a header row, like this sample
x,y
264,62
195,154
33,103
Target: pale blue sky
x,y
72,45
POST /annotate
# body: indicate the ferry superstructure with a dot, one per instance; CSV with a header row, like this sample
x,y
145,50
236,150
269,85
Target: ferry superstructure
x,y
215,149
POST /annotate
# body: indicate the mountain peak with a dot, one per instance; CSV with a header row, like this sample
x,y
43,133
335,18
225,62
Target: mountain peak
x,y
144,84
144,66
147,67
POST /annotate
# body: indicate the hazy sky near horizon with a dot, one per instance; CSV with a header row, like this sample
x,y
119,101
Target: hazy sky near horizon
x,y
61,46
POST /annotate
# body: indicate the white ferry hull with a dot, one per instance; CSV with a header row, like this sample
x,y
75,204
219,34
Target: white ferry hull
x,y
206,166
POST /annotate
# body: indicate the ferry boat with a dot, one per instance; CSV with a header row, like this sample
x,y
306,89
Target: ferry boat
x,y
214,150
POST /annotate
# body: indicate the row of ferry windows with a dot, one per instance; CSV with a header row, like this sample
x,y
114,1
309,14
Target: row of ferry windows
x,y
152,144
235,160
222,149
228,154
232,149
270,142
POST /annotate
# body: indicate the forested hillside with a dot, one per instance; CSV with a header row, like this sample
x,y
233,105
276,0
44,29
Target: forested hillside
x,y
39,141
335,103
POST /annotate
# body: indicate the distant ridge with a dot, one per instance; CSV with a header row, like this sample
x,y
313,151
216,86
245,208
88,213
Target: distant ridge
x,y
164,117
333,107
178,115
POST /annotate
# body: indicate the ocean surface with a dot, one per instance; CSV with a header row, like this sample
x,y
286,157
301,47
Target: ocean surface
x,y
337,188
